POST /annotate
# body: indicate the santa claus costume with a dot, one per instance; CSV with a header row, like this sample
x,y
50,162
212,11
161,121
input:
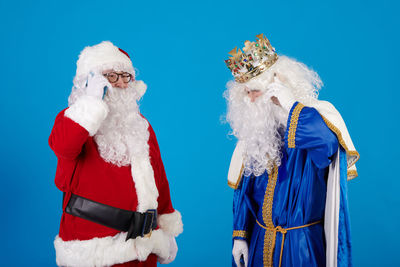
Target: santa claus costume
x,y
109,160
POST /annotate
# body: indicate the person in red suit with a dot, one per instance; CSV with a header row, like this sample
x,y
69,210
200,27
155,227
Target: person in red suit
x,y
117,209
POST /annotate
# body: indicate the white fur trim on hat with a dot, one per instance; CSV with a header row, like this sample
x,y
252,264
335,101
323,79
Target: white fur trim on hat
x,y
101,57
110,250
171,223
89,112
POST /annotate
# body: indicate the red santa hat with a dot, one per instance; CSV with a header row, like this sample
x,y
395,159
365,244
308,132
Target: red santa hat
x,y
105,56
102,57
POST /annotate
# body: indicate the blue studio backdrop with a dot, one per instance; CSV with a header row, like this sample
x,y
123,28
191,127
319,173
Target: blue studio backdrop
x,y
178,49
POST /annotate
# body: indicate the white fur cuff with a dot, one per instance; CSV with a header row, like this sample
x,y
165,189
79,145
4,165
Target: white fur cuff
x,y
110,250
89,112
171,223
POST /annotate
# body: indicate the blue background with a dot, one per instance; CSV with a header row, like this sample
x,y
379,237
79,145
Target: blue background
x,y
179,48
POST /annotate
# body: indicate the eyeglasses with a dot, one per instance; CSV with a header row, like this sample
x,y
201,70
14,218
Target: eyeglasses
x,y
113,77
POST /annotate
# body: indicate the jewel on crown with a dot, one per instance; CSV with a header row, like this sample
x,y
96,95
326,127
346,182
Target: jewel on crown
x,y
255,59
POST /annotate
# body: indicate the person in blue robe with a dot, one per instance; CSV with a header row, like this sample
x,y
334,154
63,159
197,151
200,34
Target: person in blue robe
x,y
290,200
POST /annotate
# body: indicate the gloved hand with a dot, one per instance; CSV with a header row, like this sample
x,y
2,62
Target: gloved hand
x,y
97,85
282,93
173,249
240,249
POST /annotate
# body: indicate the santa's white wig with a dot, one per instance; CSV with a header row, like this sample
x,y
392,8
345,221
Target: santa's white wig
x,y
260,125
98,58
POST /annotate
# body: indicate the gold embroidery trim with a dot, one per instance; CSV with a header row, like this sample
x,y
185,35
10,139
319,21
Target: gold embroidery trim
x,y
239,233
235,185
352,153
269,238
270,229
292,136
351,174
293,125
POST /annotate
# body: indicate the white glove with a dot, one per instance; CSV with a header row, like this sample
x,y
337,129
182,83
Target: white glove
x,y
173,249
97,85
283,93
240,249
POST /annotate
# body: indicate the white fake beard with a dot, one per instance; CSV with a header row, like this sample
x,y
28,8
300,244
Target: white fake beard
x,y
124,133
260,125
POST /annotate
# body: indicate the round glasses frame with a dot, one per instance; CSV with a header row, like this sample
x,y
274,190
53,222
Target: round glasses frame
x,y
113,77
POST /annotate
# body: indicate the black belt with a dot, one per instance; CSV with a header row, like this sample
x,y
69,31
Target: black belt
x,y
135,223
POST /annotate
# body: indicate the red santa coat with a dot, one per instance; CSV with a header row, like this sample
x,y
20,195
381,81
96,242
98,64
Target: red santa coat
x,y
82,171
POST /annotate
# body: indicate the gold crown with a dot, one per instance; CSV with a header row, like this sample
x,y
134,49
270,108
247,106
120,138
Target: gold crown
x,y
255,59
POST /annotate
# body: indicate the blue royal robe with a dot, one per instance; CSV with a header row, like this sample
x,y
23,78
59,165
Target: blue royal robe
x,y
294,195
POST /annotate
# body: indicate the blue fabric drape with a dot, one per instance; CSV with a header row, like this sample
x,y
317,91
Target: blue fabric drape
x,y
298,199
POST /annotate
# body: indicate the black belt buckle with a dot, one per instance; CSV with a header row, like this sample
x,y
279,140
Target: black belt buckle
x,y
142,224
153,215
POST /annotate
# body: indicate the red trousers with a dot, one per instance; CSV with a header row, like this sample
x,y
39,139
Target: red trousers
x,y
150,262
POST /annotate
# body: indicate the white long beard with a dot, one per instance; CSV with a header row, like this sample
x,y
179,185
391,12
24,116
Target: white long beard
x,y
124,133
260,126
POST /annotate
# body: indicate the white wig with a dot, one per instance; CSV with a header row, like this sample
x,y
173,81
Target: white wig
x,y
304,82
261,124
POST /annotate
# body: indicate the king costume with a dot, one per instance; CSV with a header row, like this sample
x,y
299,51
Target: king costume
x,y
294,214
101,185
